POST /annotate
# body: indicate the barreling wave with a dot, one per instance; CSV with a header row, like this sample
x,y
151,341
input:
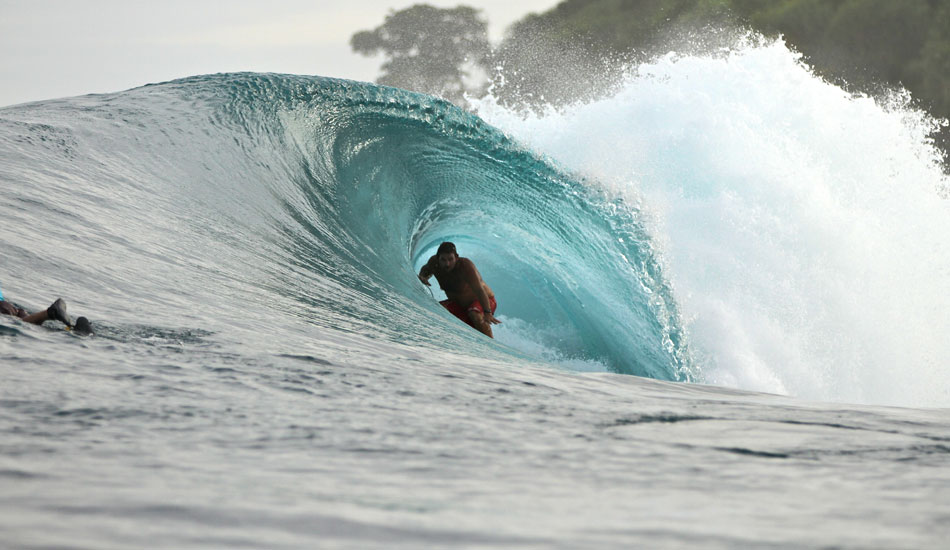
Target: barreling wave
x,y
322,197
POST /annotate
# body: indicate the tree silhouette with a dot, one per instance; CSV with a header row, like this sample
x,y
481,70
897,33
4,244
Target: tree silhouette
x,y
427,48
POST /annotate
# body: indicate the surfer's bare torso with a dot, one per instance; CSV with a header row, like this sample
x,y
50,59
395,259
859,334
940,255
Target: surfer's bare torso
x,y
461,283
469,298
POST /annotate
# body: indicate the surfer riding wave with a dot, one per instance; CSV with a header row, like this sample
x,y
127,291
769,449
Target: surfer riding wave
x,y
469,298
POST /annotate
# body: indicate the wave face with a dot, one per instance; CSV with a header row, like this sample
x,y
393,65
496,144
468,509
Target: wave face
x,y
323,197
803,229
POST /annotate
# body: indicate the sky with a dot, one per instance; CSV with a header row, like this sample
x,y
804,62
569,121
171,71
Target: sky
x,y
61,48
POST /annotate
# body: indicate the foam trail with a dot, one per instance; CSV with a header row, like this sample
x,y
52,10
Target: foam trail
x,y
803,229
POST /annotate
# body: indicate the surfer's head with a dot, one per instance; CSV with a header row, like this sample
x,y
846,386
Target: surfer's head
x,y
447,256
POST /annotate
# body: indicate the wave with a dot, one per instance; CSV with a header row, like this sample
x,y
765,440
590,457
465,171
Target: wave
x,y
336,192
728,218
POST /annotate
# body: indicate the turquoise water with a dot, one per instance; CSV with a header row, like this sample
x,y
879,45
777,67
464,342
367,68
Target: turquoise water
x,y
268,372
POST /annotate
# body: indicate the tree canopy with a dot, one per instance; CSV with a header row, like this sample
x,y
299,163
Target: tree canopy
x,y
428,49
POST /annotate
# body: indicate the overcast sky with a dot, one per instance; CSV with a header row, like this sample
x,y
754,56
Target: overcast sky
x,y
59,48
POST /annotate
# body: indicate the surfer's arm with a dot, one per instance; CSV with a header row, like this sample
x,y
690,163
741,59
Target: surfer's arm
x,y
426,272
478,286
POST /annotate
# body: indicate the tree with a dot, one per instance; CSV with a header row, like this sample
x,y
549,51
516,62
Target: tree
x,y
427,48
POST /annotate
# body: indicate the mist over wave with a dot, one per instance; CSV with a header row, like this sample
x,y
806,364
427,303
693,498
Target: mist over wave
x,y
803,229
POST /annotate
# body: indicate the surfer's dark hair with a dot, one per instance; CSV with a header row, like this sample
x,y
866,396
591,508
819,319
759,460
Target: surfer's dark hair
x,y
446,248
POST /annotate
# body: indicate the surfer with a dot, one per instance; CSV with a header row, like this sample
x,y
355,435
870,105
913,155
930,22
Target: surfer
x,y
55,312
469,298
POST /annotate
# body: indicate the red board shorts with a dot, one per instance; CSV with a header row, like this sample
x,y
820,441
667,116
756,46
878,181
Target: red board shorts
x,y
462,313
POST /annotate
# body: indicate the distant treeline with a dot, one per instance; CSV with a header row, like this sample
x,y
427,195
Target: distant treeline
x,y
572,49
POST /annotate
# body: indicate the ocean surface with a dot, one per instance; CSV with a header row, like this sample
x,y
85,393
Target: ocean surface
x,y
724,287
